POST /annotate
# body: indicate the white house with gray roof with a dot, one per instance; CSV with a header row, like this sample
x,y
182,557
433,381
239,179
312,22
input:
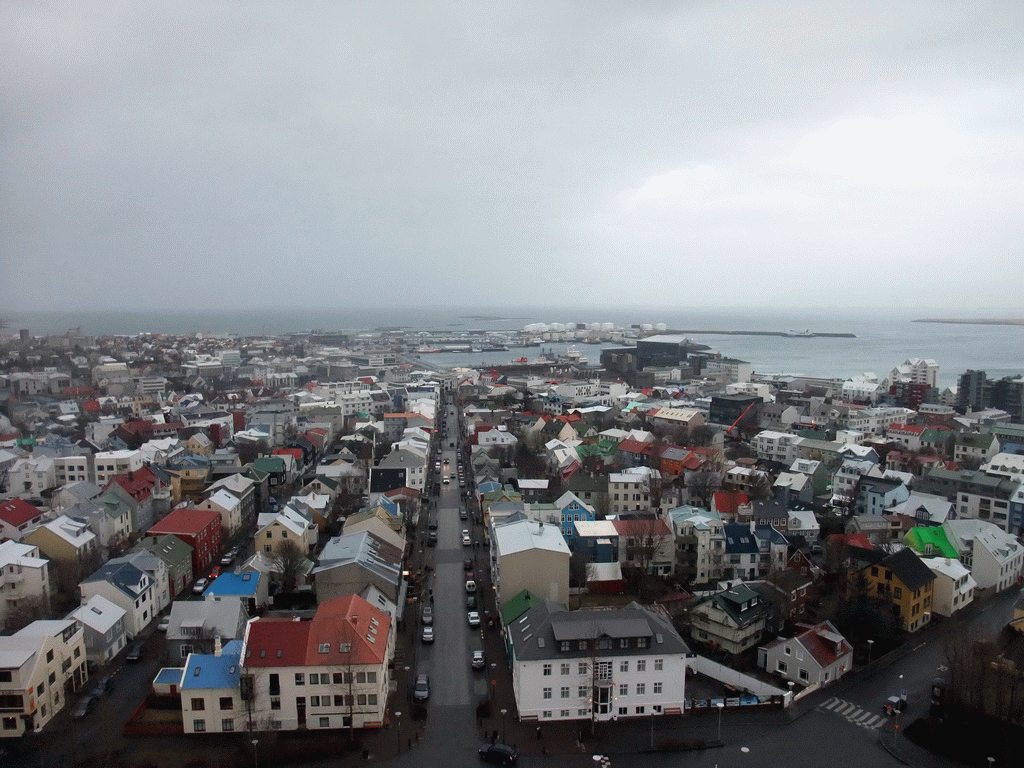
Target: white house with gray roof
x,y
127,586
595,664
527,554
103,624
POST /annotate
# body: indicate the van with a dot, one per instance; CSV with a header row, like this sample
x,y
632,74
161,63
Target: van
x,y
470,585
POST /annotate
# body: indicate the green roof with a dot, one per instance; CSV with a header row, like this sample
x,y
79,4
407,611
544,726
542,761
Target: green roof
x,y
517,606
930,541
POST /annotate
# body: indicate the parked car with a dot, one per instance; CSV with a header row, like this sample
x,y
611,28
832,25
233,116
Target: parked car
x,y
471,586
474,619
134,652
428,634
228,559
200,586
477,660
432,539
471,602
214,573
103,685
467,564
163,624
499,754
428,615
421,691
83,707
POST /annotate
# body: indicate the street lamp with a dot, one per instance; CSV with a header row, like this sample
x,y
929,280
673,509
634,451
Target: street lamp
x,y
721,706
503,725
256,756
870,644
398,720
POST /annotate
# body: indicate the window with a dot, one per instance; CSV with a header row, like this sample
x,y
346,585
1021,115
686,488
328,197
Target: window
x,y
371,699
623,690
199,726
623,710
227,724
803,675
641,689
657,689
227,702
582,692
641,665
198,705
624,642
547,670
781,666
641,642
563,645
275,702
565,692
564,668
604,670
581,668
300,678
325,722
371,677
604,643
360,677
339,700
640,710
623,666
546,714
897,593
564,713
547,693
659,665
49,656
337,678
361,699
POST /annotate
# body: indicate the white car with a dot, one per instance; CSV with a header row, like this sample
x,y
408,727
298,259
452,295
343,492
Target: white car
x,y
200,586
474,619
466,541
165,622
428,634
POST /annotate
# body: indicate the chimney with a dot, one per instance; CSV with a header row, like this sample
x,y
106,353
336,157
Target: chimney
x,y
216,646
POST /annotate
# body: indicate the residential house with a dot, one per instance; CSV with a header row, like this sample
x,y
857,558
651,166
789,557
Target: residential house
x,y
71,547
110,463
775,446
26,582
814,657
975,447
732,620
248,587
287,525
699,544
954,585
149,492
996,558
529,555
177,558
628,492
902,580
18,517
211,694
200,529
327,672
127,586
350,562
879,495
229,507
42,667
195,626
103,625
244,489
646,544
595,664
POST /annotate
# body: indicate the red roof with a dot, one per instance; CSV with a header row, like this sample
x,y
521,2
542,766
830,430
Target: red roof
x,y
276,642
295,453
642,528
348,619
186,520
729,502
907,429
139,484
15,512
824,651
629,445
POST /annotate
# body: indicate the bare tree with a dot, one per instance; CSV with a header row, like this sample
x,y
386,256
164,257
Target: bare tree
x,y
289,558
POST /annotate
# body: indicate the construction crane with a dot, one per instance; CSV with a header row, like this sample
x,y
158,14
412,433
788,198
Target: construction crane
x,y
729,432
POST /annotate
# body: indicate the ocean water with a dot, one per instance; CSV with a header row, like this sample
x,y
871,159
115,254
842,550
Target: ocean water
x,y
884,338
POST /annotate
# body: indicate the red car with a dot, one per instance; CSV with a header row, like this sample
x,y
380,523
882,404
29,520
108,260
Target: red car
x,y
214,573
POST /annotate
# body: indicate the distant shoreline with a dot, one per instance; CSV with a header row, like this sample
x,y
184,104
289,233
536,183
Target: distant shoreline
x,y
980,321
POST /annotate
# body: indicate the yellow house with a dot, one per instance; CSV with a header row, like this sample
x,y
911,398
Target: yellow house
x,y
903,581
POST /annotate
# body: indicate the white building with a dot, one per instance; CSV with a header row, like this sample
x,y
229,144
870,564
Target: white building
x,y
126,586
995,557
628,492
953,587
110,463
25,578
599,663
39,667
775,446
103,625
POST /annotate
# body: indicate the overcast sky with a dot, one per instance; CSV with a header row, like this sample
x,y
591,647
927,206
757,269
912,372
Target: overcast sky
x,y
729,153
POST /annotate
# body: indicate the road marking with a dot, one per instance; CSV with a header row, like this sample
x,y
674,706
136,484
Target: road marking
x,y
874,722
862,718
847,709
852,713
833,703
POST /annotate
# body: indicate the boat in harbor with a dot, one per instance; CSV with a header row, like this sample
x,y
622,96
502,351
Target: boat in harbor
x,y
799,333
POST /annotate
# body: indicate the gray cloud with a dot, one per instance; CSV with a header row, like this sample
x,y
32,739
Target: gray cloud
x,y
230,154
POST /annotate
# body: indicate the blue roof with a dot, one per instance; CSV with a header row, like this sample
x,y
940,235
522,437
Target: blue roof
x,y
169,676
204,670
739,540
234,585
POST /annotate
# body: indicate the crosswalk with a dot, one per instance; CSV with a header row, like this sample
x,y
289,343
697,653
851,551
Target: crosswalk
x,y
853,713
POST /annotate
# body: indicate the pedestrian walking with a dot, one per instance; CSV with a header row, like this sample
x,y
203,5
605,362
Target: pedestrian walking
x,y
538,732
